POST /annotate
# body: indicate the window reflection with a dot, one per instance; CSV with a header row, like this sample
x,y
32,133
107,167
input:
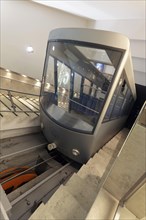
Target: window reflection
x,y
76,82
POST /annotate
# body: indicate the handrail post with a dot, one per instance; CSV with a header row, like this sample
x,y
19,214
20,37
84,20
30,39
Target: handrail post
x,y
11,99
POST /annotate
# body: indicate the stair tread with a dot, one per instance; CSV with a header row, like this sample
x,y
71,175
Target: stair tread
x,y
88,170
88,177
63,205
82,191
40,213
104,154
96,164
108,150
112,145
101,157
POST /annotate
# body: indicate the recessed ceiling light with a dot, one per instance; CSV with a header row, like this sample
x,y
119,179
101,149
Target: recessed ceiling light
x,y
38,83
29,49
8,74
24,75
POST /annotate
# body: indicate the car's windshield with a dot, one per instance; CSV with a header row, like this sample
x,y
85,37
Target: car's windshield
x,y
75,82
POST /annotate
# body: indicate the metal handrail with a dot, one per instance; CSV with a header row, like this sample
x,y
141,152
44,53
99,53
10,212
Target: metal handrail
x,y
13,107
16,80
16,91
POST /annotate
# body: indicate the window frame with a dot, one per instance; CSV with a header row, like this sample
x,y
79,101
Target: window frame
x,y
85,44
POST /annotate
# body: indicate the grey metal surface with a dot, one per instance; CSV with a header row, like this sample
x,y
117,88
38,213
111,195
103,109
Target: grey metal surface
x,y
87,144
91,35
59,126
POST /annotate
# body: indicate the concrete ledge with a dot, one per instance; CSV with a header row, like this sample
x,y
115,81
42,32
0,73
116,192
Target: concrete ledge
x,y
18,131
104,206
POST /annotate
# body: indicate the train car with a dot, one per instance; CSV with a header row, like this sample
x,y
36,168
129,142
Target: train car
x,y
87,90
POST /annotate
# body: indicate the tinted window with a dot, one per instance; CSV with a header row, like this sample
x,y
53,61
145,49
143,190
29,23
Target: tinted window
x,y
75,83
120,102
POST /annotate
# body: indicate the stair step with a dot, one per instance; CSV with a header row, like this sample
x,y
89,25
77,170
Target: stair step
x,y
117,140
112,144
92,177
98,165
104,207
88,170
83,192
41,213
123,133
104,154
101,157
108,151
63,205
122,136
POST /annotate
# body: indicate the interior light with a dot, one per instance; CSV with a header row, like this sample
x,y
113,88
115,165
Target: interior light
x,y
29,49
37,80
63,90
75,94
53,48
24,75
8,74
38,83
48,85
7,70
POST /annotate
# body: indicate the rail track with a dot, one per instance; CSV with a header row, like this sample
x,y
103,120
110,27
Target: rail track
x,y
51,168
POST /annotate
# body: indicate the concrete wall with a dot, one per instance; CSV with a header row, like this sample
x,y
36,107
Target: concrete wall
x,y
25,23
125,214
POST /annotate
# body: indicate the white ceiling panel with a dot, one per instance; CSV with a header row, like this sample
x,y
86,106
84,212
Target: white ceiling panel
x,y
100,9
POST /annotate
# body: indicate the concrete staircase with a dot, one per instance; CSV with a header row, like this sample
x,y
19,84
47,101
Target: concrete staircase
x,y
20,122
19,104
75,199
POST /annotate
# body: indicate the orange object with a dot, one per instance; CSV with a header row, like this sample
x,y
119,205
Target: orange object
x,y
15,180
12,170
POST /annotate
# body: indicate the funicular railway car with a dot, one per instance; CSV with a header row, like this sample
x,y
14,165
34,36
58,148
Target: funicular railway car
x,y
87,90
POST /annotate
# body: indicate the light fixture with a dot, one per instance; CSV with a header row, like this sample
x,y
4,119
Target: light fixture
x,y
38,83
63,90
48,86
29,49
75,152
24,75
8,73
